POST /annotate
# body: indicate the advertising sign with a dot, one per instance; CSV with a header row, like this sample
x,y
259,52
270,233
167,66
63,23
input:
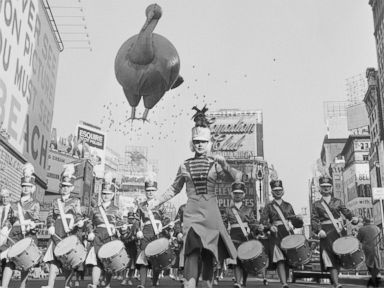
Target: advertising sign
x,y
56,160
93,142
223,189
28,70
361,206
11,168
378,193
237,134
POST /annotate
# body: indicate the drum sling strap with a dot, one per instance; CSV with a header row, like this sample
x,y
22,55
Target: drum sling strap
x,y
282,218
21,217
238,219
62,216
105,219
5,214
153,223
330,215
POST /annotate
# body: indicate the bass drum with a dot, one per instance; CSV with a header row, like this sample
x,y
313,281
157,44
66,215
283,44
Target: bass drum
x,y
252,256
296,249
24,254
349,252
160,254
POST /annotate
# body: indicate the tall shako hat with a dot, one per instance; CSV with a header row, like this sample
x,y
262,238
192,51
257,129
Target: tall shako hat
x,y
150,182
67,177
238,186
275,183
201,130
325,180
28,179
108,186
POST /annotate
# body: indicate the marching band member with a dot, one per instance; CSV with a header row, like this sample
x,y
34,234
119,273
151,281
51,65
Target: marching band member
x,y
63,219
5,209
129,238
274,217
242,222
205,235
178,235
23,218
105,217
327,224
148,234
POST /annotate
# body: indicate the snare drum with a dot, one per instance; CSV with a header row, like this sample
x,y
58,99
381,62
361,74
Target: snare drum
x,y
24,254
160,254
349,252
113,256
70,252
296,249
252,256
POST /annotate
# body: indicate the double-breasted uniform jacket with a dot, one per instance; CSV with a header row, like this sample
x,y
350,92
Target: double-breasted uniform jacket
x,y
202,223
321,221
72,210
98,226
247,216
270,217
31,211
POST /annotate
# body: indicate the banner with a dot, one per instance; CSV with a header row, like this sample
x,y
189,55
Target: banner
x,y
56,161
28,69
93,146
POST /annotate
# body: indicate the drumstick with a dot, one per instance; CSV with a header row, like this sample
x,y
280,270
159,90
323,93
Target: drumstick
x,y
57,237
166,226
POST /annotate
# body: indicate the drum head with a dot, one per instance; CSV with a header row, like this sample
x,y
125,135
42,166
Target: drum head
x,y
19,247
111,248
250,249
293,241
66,245
157,246
345,245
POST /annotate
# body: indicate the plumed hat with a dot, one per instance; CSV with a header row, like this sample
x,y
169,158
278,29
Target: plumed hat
x,y
150,182
28,179
275,183
108,185
201,130
238,186
325,180
67,177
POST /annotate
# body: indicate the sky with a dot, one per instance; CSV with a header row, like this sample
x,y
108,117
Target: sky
x,y
282,57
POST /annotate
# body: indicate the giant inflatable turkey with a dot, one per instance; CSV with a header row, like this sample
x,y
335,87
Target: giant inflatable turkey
x,y
147,65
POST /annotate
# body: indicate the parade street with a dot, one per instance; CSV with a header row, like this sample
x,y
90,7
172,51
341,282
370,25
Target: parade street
x,y
227,283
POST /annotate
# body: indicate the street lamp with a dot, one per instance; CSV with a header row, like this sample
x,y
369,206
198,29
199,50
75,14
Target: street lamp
x,y
260,177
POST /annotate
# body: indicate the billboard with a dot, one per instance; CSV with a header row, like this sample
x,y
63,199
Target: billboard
x,y
237,134
93,146
28,71
361,206
356,181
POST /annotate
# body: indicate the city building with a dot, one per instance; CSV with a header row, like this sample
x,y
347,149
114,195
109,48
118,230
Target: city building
x,y
335,118
356,182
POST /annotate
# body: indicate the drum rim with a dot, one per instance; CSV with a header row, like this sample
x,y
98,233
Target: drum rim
x,y
254,257
161,252
118,252
22,251
295,247
72,248
349,252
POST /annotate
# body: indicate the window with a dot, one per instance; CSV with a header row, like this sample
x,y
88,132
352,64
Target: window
x,y
365,158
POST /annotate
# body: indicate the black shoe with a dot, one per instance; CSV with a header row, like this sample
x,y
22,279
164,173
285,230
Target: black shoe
x,y
265,282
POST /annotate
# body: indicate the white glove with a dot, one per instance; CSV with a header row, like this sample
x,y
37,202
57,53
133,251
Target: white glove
x,y
260,228
113,229
180,236
91,236
273,229
4,231
80,223
171,225
32,225
51,230
355,220
322,234
221,160
124,227
139,235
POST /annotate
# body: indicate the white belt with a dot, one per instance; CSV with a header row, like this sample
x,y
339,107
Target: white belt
x,y
277,223
237,225
149,222
102,225
330,221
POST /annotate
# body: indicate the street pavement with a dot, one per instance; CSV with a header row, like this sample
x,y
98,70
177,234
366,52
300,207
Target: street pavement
x,y
165,283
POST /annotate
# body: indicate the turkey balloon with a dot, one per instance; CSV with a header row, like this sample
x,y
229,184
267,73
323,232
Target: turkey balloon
x,y
147,65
